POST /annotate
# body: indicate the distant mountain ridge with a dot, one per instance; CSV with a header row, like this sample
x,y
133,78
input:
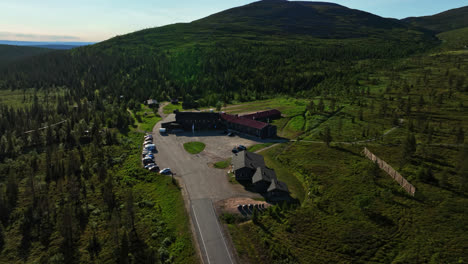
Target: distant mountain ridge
x,y
441,22
46,44
9,53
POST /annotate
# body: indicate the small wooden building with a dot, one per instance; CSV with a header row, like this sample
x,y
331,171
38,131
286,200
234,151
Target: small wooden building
x,y
245,164
263,178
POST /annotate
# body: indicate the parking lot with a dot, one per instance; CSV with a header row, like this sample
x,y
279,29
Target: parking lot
x,y
204,184
218,144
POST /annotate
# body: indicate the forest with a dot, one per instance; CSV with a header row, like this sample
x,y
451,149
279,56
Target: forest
x,y
71,188
71,125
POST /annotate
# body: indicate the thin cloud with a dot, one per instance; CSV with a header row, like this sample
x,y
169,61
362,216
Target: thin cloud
x,y
36,37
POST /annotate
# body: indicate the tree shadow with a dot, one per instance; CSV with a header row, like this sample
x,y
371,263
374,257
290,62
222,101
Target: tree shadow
x,y
380,219
339,148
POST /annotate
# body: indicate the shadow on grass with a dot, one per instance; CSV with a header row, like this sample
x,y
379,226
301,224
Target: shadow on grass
x,y
380,219
339,148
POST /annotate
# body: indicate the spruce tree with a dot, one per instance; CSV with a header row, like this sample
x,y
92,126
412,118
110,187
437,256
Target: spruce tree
x,y
2,237
409,148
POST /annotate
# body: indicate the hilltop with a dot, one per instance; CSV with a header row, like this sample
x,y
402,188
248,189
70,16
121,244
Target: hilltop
x,y
316,19
273,20
445,21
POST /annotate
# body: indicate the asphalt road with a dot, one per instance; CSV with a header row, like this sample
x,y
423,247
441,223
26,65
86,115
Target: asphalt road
x,y
209,233
204,185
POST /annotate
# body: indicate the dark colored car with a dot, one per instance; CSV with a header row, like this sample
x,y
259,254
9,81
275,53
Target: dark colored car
x,y
241,148
234,150
154,168
147,161
231,134
149,165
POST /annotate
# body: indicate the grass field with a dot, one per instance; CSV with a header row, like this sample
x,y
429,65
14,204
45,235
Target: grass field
x,y
223,164
258,147
25,98
169,109
368,222
145,118
194,147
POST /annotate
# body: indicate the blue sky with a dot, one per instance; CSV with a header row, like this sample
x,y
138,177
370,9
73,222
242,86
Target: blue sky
x,y
97,20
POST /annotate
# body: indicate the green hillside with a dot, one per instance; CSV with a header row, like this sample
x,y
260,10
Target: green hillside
x,y
351,211
75,192
241,54
445,21
455,39
315,19
272,20
9,54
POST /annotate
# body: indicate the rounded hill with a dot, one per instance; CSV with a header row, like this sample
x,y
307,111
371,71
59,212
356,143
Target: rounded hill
x,y
317,19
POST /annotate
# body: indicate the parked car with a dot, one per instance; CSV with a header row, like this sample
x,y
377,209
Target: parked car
x,y
166,171
150,147
241,148
149,136
162,130
154,168
231,134
149,165
147,161
234,150
149,155
145,152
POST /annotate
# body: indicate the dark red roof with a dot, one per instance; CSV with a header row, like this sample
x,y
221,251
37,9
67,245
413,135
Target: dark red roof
x,y
263,114
243,121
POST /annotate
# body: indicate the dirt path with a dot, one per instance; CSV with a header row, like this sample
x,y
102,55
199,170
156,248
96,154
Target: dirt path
x,y
161,110
42,128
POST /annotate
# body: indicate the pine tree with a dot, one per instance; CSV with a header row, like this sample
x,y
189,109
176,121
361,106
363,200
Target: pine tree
x,y
255,216
321,106
2,237
409,148
326,136
124,249
130,210
311,107
11,191
4,214
462,169
460,136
